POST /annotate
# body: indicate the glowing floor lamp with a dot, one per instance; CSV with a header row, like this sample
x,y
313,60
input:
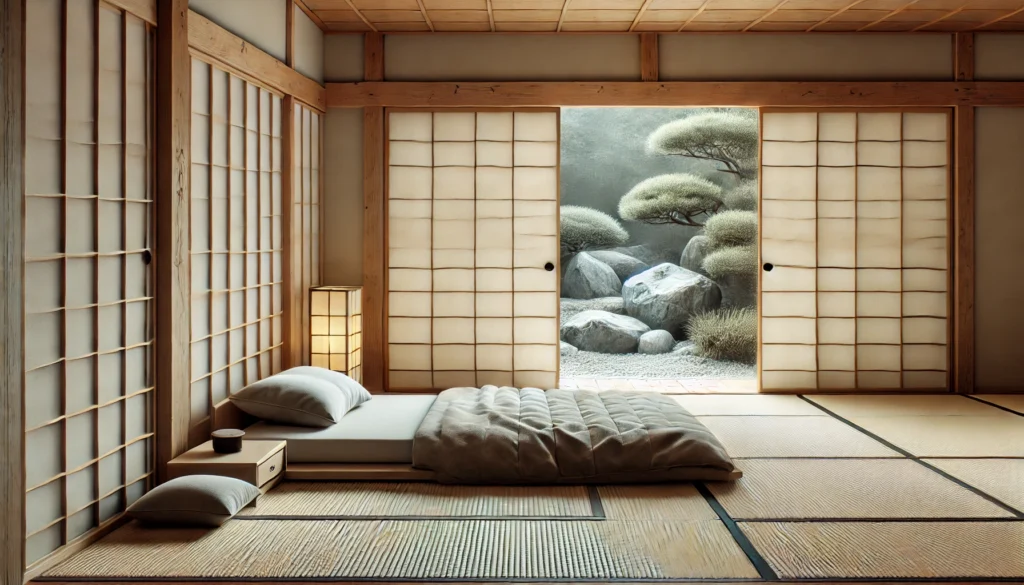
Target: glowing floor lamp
x,y
335,328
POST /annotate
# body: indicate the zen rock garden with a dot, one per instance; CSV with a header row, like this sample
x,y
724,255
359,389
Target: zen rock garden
x,y
644,311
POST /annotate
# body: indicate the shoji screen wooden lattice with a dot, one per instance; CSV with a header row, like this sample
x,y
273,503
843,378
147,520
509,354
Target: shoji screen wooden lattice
x,y
305,221
855,219
88,298
236,236
472,222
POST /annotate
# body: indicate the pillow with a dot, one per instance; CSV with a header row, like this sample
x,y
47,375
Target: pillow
x,y
194,500
354,391
294,399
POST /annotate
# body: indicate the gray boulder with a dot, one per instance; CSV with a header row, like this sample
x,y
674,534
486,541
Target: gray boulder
x,y
693,254
655,342
624,266
644,254
589,278
603,332
566,349
572,307
684,348
666,296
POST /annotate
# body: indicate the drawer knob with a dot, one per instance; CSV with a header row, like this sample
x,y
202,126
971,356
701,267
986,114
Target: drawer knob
x,y
273,467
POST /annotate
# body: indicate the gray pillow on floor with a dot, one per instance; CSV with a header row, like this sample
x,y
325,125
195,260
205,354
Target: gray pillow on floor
x,y
295,399
194,500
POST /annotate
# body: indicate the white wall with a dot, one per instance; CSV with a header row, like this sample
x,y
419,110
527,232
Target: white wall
x,y
999,56
343,197
307,46
343,58
261,22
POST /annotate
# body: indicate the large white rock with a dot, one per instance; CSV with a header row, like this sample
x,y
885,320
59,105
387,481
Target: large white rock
x,y
666,296
589,278
603,332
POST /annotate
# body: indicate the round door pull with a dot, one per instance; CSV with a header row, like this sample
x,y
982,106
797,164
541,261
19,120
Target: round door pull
x,y
768,267
549,267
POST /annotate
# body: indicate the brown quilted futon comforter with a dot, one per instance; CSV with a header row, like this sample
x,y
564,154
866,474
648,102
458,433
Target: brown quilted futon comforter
x,y
508,435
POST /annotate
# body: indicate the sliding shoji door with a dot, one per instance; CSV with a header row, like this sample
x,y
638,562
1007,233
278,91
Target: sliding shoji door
x,y
472,249
305,222
855,220
88,286
235,237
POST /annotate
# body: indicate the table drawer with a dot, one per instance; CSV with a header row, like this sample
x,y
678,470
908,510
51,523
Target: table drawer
x,y
271,468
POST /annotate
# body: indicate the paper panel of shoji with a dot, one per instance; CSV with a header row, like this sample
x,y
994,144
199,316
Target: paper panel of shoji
x,y
235,236
472,221
305,218
88,284
854,216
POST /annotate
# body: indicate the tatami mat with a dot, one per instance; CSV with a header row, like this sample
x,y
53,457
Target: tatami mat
x,y
1014,402
848,488
382,499
417,550
755,405
848,406
890,549
789,436
1002,479
950,436
670,502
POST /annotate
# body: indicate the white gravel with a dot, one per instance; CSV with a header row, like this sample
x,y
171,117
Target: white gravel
x,y
587,364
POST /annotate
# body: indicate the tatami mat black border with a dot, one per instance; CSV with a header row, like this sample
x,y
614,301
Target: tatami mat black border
x,y
760,564
596,505
993,404
919,460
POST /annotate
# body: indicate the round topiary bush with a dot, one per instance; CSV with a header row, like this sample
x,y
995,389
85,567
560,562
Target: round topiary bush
x,y
728,138
734,268
585,228
677,198
725,334
743,197
731,228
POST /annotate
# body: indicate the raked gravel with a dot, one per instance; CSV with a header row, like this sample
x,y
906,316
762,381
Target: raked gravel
x,y
586,364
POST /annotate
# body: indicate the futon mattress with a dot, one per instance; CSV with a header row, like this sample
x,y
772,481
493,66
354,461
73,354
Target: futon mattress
x,y
509,435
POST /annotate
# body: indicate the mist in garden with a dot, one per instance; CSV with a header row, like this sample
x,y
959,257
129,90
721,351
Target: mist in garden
x,y
659,242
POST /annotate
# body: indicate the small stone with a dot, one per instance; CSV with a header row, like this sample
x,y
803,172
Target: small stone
x,y
656,342
566,349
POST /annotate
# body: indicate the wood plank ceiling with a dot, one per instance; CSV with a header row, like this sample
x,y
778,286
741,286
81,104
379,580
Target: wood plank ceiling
x,y
669,15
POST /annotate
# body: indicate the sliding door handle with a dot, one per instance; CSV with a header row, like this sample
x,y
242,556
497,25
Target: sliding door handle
x,y
549,267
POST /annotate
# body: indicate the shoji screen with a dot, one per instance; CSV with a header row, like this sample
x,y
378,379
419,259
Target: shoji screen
x,y
88,298
305,218
854,218
472,249
236,236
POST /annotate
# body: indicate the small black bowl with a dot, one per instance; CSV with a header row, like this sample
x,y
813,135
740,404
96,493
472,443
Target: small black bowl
x,y
227,440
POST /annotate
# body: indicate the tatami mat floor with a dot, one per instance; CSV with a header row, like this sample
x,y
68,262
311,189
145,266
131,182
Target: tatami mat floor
x,y
835,488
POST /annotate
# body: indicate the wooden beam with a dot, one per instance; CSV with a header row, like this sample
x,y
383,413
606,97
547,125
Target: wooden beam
x,y
373,249
999,19
561,16
963,56
683,93
888,15
12,262
238,56
365,20
291,321
834,14
490,14
940,19
426,17
636,19
373,57
963,244
144,9
649,56
312,15
173,277
768,13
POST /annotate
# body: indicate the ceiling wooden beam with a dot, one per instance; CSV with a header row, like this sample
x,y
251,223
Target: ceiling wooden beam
x,y
940,19
761,18
426,17
490,14
639,14
677,93
700,11
887,16
312,15
1000,19
833,15
144,9
360,15
561,16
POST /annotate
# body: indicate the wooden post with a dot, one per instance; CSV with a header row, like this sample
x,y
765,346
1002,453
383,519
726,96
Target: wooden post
x,y
648,56
12,260
173,296
373,249
963,224
291,319
373,57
